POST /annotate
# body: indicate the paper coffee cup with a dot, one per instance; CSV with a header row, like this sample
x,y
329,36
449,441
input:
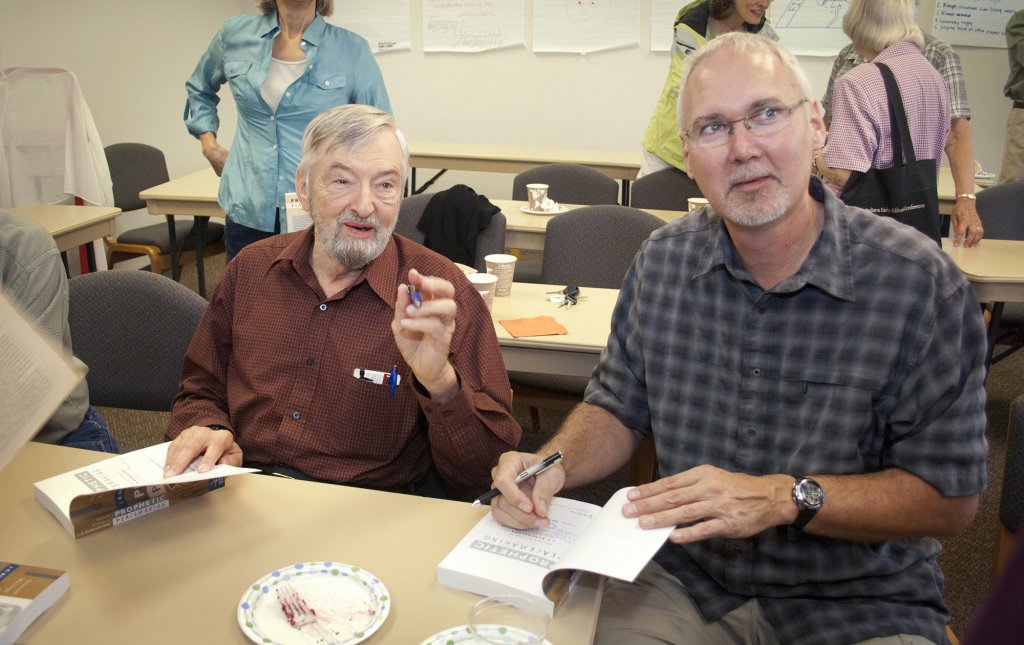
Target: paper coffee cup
x,y
536,194
694,203
503,266
485,284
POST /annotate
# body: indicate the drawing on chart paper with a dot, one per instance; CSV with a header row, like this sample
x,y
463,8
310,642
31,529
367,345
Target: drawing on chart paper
x,y
584,26
588,14
810,14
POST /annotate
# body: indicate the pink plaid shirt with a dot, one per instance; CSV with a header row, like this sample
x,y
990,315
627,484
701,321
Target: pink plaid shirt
x,y
860,137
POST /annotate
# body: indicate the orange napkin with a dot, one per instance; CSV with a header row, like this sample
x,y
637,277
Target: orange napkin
x,y
536,326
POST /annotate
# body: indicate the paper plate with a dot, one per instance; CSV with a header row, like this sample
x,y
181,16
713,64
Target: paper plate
x,y
350,603
560,209
461,634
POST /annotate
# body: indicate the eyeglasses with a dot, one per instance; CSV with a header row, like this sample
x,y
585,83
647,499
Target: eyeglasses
x,y
763,122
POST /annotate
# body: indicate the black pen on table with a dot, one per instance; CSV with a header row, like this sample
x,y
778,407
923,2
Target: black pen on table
x,y
535,469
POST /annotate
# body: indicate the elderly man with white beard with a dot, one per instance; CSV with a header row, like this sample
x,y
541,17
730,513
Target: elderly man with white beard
x,y
345,353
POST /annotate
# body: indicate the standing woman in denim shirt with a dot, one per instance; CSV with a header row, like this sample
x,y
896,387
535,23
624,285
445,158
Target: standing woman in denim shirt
x,y
285,66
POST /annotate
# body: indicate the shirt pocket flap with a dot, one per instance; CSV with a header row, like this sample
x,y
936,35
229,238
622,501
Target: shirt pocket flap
x,y
327,79
234,68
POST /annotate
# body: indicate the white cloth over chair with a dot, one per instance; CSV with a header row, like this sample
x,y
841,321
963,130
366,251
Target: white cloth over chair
x,y
50,150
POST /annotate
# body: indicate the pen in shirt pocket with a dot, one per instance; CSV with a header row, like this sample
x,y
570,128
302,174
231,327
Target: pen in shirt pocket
x,y
390,378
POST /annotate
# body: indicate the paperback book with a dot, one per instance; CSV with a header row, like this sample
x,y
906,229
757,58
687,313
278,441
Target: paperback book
x,y
26,591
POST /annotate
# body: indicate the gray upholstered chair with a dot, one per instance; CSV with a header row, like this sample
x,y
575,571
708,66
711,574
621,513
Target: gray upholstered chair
x,y
490,240
1001,209
587,247
134,167
569,183
1011,501
666,189
132,329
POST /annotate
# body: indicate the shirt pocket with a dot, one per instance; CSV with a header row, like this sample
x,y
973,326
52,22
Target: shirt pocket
x,y
327,88
238,73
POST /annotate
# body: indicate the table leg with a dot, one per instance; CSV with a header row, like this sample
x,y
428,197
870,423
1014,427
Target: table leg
x,y
993,330
625,192
172,235
199,229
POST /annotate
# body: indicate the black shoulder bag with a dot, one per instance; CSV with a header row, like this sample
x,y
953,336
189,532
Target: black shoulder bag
x,y
908,191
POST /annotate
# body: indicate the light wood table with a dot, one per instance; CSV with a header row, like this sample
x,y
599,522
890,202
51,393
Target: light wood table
x,y
71,225
572,354
193,195
617,164
177,575
526,231
995,269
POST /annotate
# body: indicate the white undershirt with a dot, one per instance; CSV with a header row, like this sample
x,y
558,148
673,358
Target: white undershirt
x,y
282,73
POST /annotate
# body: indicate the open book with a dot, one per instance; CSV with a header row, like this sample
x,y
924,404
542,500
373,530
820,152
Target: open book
x,y
123,488
545,563
25,593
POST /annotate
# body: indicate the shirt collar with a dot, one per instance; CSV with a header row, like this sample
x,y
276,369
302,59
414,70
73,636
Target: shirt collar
x,y
381,274
313,33
829,264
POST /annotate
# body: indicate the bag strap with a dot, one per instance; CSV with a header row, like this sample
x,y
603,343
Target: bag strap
x,y
901,140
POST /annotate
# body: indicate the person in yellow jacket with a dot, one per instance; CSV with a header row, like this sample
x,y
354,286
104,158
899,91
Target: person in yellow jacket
x,y
695,24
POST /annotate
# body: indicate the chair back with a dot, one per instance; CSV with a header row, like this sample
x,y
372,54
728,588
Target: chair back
x,y
594,246
1011,502
488,241
132,329
666,189
134,167
569,183
1001,209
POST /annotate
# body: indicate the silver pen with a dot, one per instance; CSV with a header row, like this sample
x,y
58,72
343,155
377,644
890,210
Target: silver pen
x,y
535,469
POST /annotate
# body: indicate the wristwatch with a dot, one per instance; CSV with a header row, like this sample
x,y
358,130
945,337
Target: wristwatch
x,y
970,196
809,498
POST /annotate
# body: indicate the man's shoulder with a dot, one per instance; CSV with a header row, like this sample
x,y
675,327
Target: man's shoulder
x,y
938,52
22,236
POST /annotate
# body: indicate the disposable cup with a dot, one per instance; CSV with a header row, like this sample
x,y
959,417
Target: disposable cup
x,y
536,194
503,266
694,203
485,284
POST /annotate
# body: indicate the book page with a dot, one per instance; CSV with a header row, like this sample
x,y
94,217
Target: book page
x,y
34,381
612,533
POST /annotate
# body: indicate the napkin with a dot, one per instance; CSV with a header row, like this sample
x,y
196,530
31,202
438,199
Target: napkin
x,y
536,326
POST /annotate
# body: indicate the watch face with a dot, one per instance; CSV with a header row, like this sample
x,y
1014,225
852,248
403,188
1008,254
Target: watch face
x,y
811,494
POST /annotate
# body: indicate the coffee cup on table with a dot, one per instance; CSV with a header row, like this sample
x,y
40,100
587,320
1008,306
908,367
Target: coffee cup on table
x,y
503,266
485,284
694,203
536,194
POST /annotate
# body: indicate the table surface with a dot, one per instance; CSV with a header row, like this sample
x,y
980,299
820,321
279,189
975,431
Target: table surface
x,y
72,225
177,575
617,164
995,268
192,194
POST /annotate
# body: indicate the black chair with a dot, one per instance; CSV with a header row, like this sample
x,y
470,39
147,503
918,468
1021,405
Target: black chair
x,y
1011,501
490,240
592,246
666,189
569,183
134,167
1001,209
132,329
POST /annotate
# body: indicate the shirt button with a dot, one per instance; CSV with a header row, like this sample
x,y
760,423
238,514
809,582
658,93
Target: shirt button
x,y
327,83
323,306
296,415
274,146
272,117
309,361
756,371
303,43
751,432
280,177
288,94
761,310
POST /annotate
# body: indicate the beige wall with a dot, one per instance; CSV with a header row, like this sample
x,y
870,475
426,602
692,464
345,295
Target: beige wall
x,y
133,56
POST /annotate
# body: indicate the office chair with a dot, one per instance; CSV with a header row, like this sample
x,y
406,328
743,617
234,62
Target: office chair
x,y
488,241
592,246
134,167
666,189
132,329
1011,501
1002,214
569,183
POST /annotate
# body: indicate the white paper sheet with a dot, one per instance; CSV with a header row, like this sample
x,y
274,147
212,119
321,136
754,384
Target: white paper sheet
x,y
384,23
810,27
663,14
584,26
472,25
981,23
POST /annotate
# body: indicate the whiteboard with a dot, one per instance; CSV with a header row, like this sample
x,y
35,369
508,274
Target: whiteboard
x,y
979,23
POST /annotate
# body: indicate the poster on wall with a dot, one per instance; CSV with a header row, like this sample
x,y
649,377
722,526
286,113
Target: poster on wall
x,y
472,25
383,23
810,27
980,23
663,17
585,26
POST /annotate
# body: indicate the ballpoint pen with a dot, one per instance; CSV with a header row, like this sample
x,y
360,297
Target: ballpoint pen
x,y
393,378
535,469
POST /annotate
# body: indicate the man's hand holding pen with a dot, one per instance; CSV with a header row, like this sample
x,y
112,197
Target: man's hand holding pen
x,y
423,326
524,505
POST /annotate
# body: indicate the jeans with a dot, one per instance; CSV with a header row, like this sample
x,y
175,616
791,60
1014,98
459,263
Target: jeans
x,y
92,434
237,237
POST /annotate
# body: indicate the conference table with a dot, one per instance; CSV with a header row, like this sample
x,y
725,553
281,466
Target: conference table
x,y
71,225
178,575
193,195
572,354
526,231
617,164
995,269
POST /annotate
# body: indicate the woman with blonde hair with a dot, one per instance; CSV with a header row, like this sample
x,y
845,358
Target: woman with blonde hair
x,y
284,65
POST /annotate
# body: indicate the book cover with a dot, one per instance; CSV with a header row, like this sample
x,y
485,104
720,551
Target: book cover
x,y
26,591
124,488
544,563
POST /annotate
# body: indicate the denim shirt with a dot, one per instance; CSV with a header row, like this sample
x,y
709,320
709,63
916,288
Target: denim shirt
x,y
267,145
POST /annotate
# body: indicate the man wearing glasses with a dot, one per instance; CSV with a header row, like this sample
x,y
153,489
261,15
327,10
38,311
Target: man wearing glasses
x,y
813,378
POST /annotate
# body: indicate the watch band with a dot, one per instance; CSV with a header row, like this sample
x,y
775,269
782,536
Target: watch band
x,y
970,196
806,508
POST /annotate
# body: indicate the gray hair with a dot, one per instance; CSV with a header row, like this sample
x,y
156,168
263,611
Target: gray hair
x,y
876,24
323,7
347,127
746,45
